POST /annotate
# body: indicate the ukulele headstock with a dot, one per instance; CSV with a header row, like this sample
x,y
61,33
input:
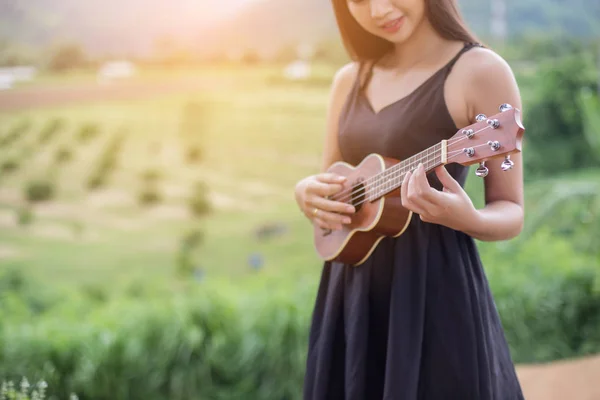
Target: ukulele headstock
x,y
489,137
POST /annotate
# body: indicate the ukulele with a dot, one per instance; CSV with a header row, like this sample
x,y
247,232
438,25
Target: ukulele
x,y
373,187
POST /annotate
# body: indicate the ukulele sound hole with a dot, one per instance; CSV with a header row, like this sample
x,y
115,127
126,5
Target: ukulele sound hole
x,y
358,194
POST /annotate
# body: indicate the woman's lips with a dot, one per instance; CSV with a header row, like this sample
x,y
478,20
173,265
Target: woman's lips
x,y
393,26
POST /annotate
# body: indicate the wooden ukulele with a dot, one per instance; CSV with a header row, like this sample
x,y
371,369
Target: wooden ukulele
x,y
373,187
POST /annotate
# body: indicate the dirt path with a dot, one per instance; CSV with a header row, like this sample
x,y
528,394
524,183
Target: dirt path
x,y
28,98
562,380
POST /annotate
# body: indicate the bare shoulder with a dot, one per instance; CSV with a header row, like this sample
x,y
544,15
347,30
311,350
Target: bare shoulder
x,y
343,80
484,66
487,80
340,88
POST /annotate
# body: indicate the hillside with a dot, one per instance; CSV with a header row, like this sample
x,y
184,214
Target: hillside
x,y
133,26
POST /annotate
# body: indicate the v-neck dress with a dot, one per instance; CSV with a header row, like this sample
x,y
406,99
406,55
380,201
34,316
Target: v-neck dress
x,y
417,320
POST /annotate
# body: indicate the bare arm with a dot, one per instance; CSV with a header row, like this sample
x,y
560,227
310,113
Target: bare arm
x,y
311,192
491,83
480,82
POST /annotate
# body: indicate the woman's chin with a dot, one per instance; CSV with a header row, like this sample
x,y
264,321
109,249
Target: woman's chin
x,y
397,37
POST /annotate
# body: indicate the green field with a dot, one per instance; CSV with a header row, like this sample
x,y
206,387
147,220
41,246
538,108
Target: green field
x,y
258,136
257,141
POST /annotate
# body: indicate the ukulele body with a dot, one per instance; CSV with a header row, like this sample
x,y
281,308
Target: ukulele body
x,y
373,220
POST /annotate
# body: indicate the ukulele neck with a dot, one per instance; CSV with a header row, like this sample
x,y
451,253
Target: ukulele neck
x,y
391,179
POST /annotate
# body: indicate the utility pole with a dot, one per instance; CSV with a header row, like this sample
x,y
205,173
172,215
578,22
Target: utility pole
x,y
498,28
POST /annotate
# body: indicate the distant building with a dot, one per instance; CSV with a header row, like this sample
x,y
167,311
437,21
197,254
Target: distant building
x,y
297,70
116,70
11,75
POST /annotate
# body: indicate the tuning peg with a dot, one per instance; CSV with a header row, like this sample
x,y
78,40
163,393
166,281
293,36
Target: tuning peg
x,y
468,133
505,107
493,123
507,163
482,170
469,151
481,117
494,145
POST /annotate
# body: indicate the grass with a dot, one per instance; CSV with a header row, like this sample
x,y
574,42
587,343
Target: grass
x,y
256,145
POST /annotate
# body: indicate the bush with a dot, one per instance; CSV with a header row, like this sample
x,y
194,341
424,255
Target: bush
x,y
9,166
66,56
548,297
88,132
96,181
187,248
198,202
21,297
62,155
220,342
50,130
15,132
149,196
39,190
557,126
25,216
201,345
107,162
194,154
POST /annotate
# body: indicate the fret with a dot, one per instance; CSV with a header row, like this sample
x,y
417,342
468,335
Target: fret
x,y
393,177
433,153
385,183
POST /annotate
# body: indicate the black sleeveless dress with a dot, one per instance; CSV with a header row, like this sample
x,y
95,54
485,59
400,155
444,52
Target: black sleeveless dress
x,y
417,320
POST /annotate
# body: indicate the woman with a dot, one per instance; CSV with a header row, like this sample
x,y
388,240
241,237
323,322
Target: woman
x,y
417,319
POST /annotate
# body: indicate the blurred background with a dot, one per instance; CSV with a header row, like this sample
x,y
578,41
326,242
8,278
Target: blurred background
x,y
150,244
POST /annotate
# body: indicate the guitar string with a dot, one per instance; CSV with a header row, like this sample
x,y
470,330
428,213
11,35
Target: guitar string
x,y
377,179
347,194
367,198
383,175
373,188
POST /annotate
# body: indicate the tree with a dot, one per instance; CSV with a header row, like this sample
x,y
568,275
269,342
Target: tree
x,y
590,105
555,140
570,202
65,57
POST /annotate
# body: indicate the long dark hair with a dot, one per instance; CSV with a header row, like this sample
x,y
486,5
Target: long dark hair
x,y
362,45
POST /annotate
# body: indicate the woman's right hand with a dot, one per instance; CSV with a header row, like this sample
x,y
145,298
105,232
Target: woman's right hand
x,y
311,196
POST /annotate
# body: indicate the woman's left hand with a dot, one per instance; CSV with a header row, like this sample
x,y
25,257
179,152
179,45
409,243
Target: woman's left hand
x,y
451,207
